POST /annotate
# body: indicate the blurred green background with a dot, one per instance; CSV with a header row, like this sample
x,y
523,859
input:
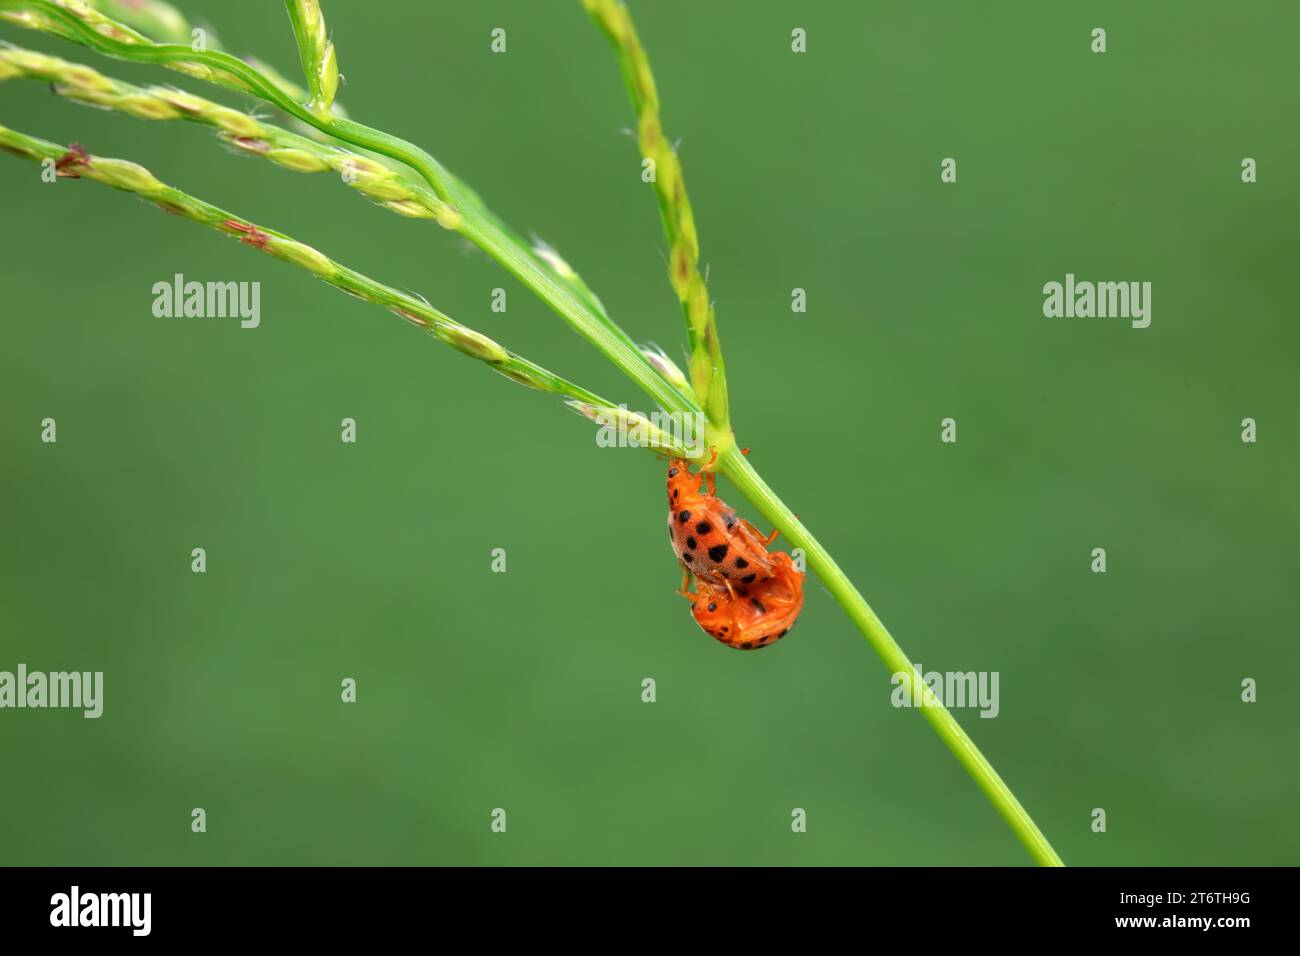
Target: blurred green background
x,y
522,690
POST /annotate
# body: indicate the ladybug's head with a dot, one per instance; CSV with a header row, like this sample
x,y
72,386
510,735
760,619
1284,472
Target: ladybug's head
x,y
681,483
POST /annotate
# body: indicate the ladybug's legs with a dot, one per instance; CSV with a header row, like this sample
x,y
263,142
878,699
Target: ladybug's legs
x,y
706,470
686,583
765,538
712,590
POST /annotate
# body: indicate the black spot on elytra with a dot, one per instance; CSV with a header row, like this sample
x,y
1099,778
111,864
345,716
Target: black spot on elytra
x,y
748,645
687,557
691,543
717,552
749,578
758,604
712,606
743,592
725,629
683,516
703,528
729,520
742,563
675,491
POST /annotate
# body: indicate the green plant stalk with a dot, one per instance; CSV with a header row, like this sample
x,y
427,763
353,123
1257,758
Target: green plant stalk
x,y
475,222
250,135
742,474
74,20
134,178
707,370
481,227
161,22
49,20
154,18
709,380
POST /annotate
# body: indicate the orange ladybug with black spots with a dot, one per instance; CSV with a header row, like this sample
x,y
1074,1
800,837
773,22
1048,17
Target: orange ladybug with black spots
x,y
709,540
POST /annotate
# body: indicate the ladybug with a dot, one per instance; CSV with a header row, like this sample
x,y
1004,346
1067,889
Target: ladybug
x,y
709,540
752,616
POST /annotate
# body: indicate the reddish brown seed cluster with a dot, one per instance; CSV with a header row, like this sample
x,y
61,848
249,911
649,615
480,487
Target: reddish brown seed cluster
x,y
250,234
745,596
251,144
75,158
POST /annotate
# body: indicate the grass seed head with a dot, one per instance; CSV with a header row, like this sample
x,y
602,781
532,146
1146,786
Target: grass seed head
x,y
233,121
319,61
665,366
410,208
147,107
123,174
472,343
301,254
299,160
